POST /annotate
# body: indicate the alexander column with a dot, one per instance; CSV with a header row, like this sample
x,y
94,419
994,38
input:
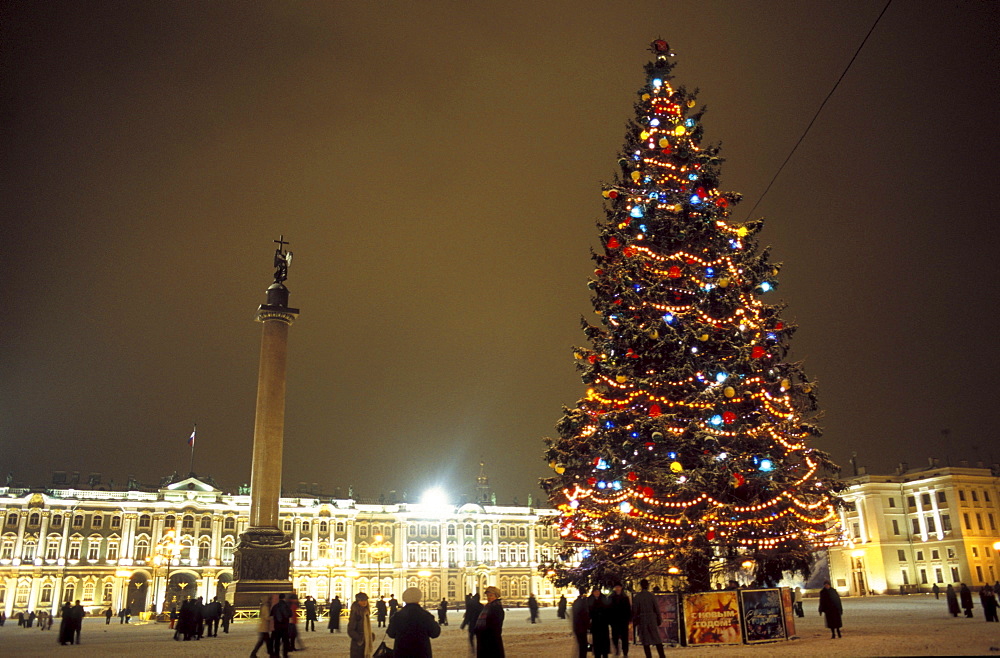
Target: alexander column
x,y
263,555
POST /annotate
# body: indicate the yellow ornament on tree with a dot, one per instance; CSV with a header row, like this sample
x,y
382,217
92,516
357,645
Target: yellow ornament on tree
x,y
676,467
729,391
635,175
621,379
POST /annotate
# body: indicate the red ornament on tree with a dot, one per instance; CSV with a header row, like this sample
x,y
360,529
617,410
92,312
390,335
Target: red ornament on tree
x,y
612,194
630,251
661,46
613,243
674,272
779,326
592,358
647,491
654,411
728,417
632,477
722,202
710,535
758,352
591,481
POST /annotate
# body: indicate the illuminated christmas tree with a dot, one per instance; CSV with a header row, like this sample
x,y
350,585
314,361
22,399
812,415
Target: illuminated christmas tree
x,y
689,453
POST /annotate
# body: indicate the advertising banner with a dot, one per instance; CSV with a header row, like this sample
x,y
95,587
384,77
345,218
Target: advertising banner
x,y
786,605
763,615
670,628
712,618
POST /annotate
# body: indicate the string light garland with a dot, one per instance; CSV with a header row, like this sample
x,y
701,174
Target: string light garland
x,y
692,433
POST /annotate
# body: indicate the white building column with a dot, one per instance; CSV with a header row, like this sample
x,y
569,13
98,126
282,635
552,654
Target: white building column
x,y
920,516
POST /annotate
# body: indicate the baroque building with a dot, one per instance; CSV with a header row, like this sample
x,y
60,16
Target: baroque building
x,y
916,528
142,548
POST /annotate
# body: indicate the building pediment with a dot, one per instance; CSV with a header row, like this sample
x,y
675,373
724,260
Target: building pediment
x,y
191,484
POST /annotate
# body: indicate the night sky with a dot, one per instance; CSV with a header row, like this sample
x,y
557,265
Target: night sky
x,y
436,167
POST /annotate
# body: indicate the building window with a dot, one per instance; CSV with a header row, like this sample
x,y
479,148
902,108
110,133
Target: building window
x,y
895,526
227,551
906,577
954,574
901,554
229,523
88,591
946,523
341,528
52,548
486,531
942,497
951,552
112,551
34,519
975,551
69,592
187,523
923,576
975,499
931,526
323,527
920,556
469,530
892,501
979,521
911,501
141,549
451,533
503,532
28,552
116,522
916,526
57,520
97,521
935,554
965,518
304,551
204,552
993,525
206,523
986,496
961,495
938,575
925,499
286,526
169,522
78,521
108,587
979,573
93,549
46,596
12,518
144,521
74,549
435,530
423,530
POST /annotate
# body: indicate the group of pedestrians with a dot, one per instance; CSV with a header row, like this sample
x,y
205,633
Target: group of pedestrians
x,y
43,618
600,623
196,619
987,598
277,628
71,624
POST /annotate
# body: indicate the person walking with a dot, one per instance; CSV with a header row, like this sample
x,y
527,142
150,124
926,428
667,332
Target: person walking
x,y
937,591
620,615
988,599
43,620
952,597
965,596
121,615
393,606
228,614
294,639
310,614
413,628
829,605
646,619
108,614
213,615
359,628
442,611
333,609
489,626
533,609
473,608
281,619
77,615
561,610
797,602
600,624
380,611
580,622
264,626
65,624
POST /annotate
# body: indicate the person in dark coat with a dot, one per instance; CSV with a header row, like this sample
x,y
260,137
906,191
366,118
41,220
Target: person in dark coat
x,y
937,591
600,624
533,609
580,621
393,605
952,599
310,614
380,611
965,596
228,614
646,619
213,615
473,607
108,614
334,609
489,626
66,624
413,627
76,615
359,627
989,601
829,605
561,610
281,619
442,611
620,615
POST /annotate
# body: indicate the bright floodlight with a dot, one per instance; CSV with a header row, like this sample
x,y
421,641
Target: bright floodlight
x,y
434,496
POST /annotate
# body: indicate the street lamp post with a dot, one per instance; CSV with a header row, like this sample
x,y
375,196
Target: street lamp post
x,y
166,550
379,551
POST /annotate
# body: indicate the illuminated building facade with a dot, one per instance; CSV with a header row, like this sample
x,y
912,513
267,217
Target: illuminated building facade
x,y
140,548
917,528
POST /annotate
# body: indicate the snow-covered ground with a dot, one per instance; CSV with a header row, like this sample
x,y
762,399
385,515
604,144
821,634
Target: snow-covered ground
x,y
873,626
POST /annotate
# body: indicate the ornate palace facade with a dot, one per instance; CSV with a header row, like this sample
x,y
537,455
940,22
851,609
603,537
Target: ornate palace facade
x,y
139,548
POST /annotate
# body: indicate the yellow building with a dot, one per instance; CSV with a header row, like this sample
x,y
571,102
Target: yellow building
x,y
917,528
139,548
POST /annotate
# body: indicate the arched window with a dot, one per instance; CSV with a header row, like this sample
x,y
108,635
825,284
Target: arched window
x,y
108,589
470,530
144,521
229,523
21,595
503,531
74,548
88,591
324,527
46,594
7,548
96,521
93,548
116,522
340,527
522,532
204,550
34,519
206,523
52,547
57,520
187,523
169,522
286,526
141,548
323,550
339,549
305,527
29,548
12,518
227,550
112,550
304,547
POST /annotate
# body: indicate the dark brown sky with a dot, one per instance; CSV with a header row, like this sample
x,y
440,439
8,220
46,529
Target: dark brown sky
x,y
437,168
